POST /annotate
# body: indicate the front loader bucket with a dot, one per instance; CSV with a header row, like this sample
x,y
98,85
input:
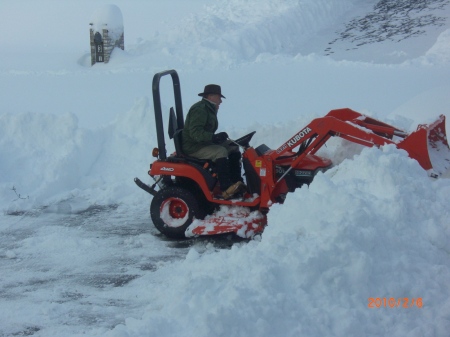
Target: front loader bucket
x,y
429,146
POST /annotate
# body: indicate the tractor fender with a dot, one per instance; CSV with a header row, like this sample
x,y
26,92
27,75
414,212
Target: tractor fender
x,y
195,172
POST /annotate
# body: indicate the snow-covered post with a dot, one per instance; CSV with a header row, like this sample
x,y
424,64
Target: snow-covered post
x,y
106,33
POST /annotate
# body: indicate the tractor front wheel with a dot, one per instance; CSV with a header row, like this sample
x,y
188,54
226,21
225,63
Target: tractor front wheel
x,y
173,209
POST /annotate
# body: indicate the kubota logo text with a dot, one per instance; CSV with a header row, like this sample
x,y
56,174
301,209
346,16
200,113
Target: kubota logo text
x,y
169,169
298,137
294,139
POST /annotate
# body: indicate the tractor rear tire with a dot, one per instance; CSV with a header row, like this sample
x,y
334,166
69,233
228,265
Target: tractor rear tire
x,y
173,209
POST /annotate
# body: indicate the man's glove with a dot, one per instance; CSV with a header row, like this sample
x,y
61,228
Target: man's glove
x,y
220,137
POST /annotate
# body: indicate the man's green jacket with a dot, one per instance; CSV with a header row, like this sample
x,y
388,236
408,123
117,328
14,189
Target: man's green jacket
x,y
200,125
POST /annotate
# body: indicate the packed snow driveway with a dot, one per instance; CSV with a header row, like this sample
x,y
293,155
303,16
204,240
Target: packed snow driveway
x,y
69,271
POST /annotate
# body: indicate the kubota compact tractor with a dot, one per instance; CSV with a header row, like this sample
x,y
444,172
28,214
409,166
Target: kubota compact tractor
x,y
186,196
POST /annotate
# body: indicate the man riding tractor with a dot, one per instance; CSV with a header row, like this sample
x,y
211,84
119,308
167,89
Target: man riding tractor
x,y
200,141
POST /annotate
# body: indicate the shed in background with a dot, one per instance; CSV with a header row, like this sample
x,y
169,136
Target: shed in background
x,y
106,33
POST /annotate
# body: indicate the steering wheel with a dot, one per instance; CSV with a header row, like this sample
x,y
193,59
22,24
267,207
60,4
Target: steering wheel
x,y
244,141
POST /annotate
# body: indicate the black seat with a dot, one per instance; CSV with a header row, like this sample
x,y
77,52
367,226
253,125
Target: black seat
x,y
178,143
175,133
173,125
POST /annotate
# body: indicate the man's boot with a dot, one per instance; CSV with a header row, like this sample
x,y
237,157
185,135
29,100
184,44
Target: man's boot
x,y
233,190
228,188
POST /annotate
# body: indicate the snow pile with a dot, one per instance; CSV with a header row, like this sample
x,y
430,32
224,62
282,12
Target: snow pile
x,y
375,226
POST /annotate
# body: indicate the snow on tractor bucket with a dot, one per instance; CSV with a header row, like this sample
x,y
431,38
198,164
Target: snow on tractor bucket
x,y
429,146
186,193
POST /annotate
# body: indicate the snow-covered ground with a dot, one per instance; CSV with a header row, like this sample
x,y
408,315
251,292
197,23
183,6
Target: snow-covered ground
x,y
78,252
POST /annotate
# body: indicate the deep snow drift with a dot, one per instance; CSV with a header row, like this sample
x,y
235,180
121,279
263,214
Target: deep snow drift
x,y
364,229
78,252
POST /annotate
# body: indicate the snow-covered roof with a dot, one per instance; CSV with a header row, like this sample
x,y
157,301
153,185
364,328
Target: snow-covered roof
x,y
108,17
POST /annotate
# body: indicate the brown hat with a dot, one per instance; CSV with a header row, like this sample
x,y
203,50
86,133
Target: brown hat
x,y
211,89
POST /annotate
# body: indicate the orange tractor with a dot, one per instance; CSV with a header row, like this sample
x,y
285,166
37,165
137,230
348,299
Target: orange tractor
x,y
186,196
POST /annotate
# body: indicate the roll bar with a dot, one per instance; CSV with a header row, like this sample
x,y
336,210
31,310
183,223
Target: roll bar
x,y
158,109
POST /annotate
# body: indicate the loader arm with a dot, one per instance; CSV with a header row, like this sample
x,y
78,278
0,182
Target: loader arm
x,y
367,131
321,129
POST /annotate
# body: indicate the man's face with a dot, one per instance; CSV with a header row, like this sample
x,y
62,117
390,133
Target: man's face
x,y
215,98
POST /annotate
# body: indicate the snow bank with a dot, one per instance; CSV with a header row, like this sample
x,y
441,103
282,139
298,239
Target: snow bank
x,y
439,53
48,159
235,30
375,226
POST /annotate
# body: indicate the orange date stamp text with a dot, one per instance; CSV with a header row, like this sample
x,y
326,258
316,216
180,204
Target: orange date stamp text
x,y
392,302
